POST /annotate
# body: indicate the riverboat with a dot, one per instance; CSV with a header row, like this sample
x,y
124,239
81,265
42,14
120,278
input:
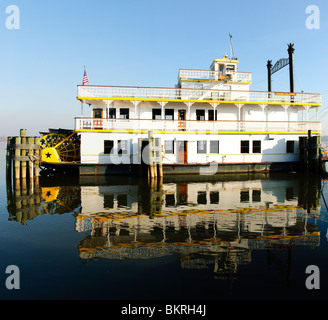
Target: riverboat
x,y
210,119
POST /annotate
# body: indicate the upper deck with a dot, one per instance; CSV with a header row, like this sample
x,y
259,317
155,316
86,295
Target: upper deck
x,y
212,75
89,93
222,92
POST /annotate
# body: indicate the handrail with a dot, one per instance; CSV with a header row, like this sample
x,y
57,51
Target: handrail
x,y
197,74
197,94
196,125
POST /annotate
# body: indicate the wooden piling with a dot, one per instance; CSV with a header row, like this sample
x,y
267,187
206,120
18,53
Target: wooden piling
x,y
150,157
17,158
9,154
37,155
23,164
22,159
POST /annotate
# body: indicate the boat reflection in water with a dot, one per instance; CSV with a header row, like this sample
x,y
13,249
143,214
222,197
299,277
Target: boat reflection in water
x,y
206,223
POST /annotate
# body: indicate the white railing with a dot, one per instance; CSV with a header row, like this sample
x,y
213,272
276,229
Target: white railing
x,y
193,74
140,93
197,126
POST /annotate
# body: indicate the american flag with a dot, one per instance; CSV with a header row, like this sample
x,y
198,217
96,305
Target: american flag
x,y
85,77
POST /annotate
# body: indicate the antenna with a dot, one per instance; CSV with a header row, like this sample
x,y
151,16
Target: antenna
x,y
231,47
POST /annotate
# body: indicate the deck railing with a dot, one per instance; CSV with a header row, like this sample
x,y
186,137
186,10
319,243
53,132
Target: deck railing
x,y
140,93
197,125
193,74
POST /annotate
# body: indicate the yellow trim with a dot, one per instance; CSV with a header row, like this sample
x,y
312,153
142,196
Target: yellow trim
x,y
199,101
197,132
226,60
201,80
242,82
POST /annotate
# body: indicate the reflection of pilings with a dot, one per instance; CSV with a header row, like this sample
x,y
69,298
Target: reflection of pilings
x,y
24,201
150,197
309,192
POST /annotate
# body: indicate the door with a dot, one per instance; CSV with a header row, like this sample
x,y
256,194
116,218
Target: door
x,y
97,118
182,152
182,120
182,194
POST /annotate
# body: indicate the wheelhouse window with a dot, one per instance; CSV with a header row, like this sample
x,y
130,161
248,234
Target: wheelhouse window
x,y
256,146
200,114
108,146
214,146
169,146
290,145
122,147
112,113
169,114
230,67
157,114
124,113
244,146
201,146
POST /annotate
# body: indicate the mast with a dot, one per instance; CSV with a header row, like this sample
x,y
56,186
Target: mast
x,y
291,66
231,47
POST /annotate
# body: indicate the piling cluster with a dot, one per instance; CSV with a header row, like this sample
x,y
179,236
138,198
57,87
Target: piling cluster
x,y
22,175
23,157
150,154
310,153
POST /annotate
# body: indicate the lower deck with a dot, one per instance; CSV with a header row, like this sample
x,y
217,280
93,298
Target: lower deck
x,y
190,149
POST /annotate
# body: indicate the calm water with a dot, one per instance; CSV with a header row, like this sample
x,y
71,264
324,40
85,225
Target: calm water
x,y
235,237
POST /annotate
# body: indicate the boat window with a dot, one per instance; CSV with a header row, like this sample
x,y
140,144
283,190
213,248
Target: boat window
x,y
122,146
108,146
169,114
97,113
169,146
244,196
108,201
124,113
290,147
244,146
214,146
111,113
201,197
201,146
212,115
256,195
157,114
256,146
214,197
122,200
170,200
200,114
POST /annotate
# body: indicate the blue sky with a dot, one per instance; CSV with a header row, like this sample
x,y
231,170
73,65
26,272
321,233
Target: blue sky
x,y
144,43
